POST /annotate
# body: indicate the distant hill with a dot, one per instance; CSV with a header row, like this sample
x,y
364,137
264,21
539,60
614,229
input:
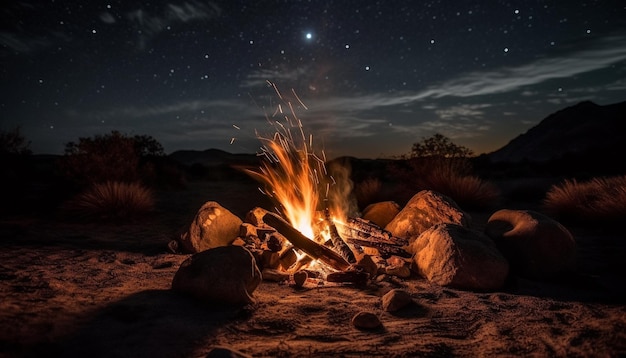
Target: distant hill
x,y
584,129
213,157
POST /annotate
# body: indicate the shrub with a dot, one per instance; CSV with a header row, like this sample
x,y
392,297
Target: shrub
x,y
111,157
599,200
448,176
13,142
112,200
469,191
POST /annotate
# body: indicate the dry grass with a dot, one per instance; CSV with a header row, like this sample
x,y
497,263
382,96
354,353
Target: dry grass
x,y
452,178
470,192
600,200
112,200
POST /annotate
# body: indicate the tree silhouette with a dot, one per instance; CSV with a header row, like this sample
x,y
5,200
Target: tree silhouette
x,y
110,157
439,146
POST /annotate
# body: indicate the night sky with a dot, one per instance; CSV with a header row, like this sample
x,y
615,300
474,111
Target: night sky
x,y
375,76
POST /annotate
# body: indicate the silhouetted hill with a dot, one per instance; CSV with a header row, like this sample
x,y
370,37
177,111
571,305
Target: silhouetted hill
x,y
584,130
213,157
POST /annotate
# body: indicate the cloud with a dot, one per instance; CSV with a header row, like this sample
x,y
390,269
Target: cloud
x,y
610,50
151,25
462,111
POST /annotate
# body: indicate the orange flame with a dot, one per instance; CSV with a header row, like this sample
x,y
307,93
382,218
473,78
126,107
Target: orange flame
x,y
293,174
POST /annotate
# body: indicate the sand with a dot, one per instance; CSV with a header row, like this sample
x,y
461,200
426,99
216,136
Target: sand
x,y
76,289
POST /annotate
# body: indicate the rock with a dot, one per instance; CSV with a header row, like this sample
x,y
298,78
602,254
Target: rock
x,y
299,278
274,275
535,245
401,271
366,320
367,264
395,300
381,213
225,352
225,274
455,256
213,226
424,210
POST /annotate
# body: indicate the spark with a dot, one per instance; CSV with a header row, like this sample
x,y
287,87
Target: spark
x,y
299,100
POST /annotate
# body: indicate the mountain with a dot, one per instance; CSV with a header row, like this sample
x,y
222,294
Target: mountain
x,y
580,130
213,157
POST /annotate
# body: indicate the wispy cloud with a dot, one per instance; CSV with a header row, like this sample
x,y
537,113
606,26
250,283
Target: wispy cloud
x,y
172,14
283,76
519,79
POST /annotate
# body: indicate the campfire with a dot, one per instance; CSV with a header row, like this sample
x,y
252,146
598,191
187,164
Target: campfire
x,y
313,228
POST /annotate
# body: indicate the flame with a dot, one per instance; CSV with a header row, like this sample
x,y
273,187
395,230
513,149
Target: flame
x,y
293,174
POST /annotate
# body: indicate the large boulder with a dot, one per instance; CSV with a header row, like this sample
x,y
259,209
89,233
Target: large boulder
x,y
424,210
225,274
536,245
455,256
213,226
381,213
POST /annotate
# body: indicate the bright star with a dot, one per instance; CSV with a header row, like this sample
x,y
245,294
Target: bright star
x,y
309,35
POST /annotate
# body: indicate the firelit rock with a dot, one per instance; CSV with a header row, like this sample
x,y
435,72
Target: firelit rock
x,y
535,245
213,226
452,255
424,210
395,300
381,213
225,274
366,320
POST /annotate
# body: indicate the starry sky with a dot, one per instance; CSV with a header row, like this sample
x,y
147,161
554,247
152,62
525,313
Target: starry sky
x,y
372,77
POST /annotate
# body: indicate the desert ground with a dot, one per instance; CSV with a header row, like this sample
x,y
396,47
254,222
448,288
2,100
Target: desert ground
x,y
76,289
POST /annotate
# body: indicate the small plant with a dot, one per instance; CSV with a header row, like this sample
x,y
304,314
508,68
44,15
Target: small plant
x,y
114,157
112,200
437,164
13,142
469,191
599,200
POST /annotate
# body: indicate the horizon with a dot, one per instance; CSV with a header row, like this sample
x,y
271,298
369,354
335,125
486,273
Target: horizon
x,y
194,75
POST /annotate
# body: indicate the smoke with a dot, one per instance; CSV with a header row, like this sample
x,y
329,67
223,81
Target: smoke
x,y
341,199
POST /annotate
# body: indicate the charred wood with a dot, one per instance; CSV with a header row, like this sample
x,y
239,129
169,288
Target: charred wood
x,y
310,247
385,249
338,243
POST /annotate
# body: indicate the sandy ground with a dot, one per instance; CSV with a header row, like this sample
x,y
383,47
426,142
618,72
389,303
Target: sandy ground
x,y
101,290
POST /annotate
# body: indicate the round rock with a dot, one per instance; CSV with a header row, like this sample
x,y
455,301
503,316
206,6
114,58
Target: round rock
x,y
226,274
536,245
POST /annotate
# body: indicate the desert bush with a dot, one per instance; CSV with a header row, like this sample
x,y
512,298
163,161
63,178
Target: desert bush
x,y
469,191
110,157
111,200
599,200
368,191
13,142
440,165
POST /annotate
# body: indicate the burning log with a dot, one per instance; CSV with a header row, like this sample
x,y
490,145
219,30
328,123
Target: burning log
x,y
357,277
386,250
366,233
310,247
338,243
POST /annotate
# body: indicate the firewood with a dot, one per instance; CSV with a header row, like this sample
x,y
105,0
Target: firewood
x,y
310,247
367,234
338,243
367,230
351,276
386,250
